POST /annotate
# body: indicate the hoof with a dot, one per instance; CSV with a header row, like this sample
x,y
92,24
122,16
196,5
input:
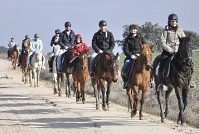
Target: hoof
x,y
184,124
59,94
132,115
141,117
162,120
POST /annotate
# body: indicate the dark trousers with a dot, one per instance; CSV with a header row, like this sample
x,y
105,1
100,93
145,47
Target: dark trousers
x,y
164,57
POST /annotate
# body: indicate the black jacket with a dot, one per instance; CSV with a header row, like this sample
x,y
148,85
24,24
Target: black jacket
x,y
132,44
25,42
53,40
66,40
103,41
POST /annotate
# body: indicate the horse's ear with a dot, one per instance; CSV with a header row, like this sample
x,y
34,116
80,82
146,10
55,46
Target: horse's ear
x,y
117,56
152,46
190,36
141,46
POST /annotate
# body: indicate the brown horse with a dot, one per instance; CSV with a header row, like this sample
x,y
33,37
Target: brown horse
x,y
13,54
67,56
139,79
106,70
25,70
179,77
80,75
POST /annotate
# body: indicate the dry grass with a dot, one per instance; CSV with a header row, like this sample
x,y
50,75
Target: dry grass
x,y
118,96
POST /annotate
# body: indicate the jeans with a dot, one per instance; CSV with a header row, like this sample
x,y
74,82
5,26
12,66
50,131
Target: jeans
x,y
91,61
59,58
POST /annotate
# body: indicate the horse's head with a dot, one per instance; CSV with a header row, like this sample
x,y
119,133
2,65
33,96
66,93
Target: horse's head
x,y
16,47
184,53
145,55
56,49
38,57
83,61
110,64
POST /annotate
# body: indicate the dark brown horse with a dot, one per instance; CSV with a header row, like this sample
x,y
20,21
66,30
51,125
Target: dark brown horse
x,y
139,79
179,77
13,54
106,70
80,75
25,70
67,56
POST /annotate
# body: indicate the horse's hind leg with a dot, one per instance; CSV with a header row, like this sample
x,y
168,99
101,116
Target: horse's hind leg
x,y
58,84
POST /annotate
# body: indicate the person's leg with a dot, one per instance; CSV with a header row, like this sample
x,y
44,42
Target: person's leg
x,y
92,66
125,72
50,62
59,58
28,59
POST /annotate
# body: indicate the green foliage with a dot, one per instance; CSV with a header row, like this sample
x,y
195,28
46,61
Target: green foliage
x,y
3,49
152,34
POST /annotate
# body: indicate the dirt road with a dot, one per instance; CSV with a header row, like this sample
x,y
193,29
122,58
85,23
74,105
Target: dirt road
x,y
28,110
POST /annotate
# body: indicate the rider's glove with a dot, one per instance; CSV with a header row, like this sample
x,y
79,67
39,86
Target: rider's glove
x,y
133,57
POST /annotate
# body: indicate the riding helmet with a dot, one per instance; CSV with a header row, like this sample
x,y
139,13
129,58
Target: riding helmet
x,y
67,24
27,37
133,26
173,17
36,35
78,36
102,23
57,31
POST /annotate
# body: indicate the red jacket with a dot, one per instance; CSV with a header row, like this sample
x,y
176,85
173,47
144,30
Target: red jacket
x,y
77,48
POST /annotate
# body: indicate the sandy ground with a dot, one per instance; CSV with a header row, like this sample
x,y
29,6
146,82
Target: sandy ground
x,y
28,110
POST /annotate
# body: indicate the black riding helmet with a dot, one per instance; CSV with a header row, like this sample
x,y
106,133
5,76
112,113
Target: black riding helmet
x,y
27,37
57,31
133,26
102,23
36,35
173,17
67,24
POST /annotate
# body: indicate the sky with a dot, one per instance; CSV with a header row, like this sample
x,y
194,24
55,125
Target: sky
x,y
21,17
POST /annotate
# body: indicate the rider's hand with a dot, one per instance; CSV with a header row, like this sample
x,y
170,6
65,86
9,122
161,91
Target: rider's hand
x,y
133,57
100,51
137,55
65,47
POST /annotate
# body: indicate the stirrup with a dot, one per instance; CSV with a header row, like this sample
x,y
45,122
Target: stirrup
x,y
125,85
92,74
160,87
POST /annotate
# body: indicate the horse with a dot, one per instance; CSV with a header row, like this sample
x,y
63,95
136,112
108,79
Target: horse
x,y
37,61
56,49
66,58
25,70
106,70
13,54
139,79
179,77
80,75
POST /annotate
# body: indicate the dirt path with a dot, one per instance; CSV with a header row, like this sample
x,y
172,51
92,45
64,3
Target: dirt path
x,y
27,110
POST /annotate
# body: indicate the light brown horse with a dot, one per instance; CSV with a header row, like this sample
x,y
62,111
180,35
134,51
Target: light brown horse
x,y
25,70
106,70
139,79
67,56
13,54
80,75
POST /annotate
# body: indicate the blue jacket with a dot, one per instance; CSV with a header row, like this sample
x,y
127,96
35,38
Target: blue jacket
x,y
66,40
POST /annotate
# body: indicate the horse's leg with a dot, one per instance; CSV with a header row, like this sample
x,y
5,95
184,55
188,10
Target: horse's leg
x,y
130,100
103,94
23,74
78,92
160,104
167,95
142,102
83,92
135,91
58,83
38,76
68,91
178,92
31,77
184,95
54,83
96,93
108,93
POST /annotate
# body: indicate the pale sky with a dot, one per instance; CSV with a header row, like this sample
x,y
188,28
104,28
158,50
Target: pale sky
x,y
21,17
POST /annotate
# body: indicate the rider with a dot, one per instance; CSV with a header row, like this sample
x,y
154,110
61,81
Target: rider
x,y
35,45
103,40
54,42
131,50
169,43
66,40
77,49
10,45
25,43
